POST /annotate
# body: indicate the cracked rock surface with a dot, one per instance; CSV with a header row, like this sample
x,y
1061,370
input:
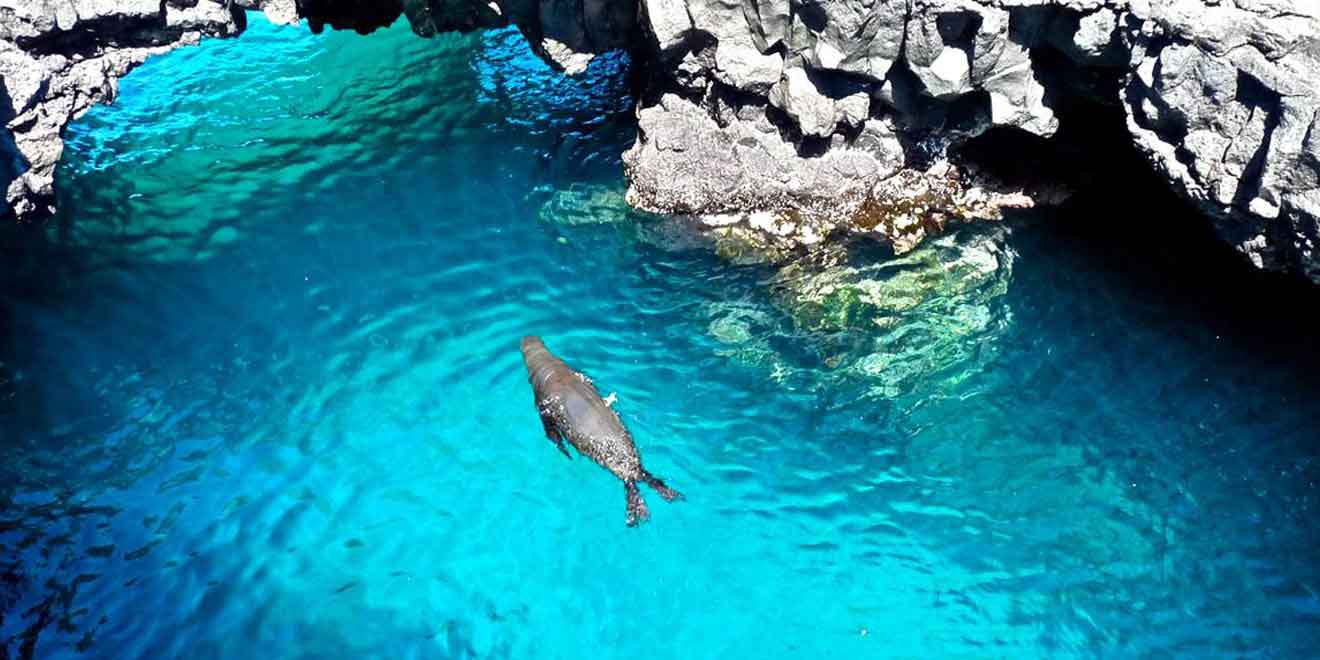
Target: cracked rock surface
x,y
807,106
1225,100
1221,96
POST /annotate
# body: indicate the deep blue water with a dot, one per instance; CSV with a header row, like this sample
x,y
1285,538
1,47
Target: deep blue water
x,y
268,402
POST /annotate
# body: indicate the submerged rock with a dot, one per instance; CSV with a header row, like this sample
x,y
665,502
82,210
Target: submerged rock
x,y
899,322
885,317
899,328
840,293
834,315
585,204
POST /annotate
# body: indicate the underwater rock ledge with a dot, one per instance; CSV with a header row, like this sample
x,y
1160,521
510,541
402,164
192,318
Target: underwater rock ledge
x,y
781,107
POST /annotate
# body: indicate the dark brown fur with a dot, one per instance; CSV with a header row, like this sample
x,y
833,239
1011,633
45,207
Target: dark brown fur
x,y
571,409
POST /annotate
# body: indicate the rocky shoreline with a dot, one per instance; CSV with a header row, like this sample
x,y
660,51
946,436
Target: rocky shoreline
x,y
796,119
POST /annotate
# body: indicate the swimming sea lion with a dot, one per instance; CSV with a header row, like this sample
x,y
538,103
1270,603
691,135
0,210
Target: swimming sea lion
x,y
572,409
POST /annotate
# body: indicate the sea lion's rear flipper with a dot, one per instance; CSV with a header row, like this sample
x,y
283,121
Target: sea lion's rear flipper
x,y
665,491
552,432
637,512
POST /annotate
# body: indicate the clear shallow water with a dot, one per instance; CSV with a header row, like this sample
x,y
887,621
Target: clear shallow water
x,y
271,404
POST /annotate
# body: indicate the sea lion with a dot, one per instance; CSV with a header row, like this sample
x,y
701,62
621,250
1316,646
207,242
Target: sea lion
x,y
572,409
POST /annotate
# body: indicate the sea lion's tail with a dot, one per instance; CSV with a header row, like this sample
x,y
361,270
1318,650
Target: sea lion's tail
x,y
637,511
665,491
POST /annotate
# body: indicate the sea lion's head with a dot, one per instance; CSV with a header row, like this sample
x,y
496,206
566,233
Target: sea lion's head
x,y
531,343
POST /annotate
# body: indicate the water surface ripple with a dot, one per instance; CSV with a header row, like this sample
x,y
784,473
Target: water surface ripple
x,y
272,406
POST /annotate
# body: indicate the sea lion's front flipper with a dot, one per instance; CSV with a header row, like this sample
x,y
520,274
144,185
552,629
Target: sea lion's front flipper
x,y
637,512
559,442
552,432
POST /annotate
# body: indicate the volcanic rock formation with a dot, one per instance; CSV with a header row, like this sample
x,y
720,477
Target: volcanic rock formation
x,y
808,106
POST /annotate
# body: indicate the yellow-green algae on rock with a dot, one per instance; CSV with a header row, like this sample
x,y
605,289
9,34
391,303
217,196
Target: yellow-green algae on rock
x,y
904,320
891,323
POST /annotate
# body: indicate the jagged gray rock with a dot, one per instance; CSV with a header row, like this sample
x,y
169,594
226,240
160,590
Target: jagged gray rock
x,y
786,104
57,61
686,161
1222,95
1226,102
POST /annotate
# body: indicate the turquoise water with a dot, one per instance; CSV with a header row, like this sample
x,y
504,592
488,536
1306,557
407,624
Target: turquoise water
x,y
267,400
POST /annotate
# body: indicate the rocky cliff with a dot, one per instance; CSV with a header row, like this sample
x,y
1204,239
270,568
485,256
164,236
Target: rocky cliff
x,y
839,112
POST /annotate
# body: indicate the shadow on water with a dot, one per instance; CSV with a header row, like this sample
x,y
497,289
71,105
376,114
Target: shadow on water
x,y
26,266
1124,226
1151,248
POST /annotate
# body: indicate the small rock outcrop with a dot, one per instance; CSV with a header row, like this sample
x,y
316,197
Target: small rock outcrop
x,y
808,106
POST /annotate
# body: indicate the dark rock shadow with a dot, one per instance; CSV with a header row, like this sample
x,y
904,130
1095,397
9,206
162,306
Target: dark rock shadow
x,y
1254,95
1156,248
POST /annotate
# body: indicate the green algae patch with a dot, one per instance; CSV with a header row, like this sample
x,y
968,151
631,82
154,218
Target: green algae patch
x,y
875,325
586,204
